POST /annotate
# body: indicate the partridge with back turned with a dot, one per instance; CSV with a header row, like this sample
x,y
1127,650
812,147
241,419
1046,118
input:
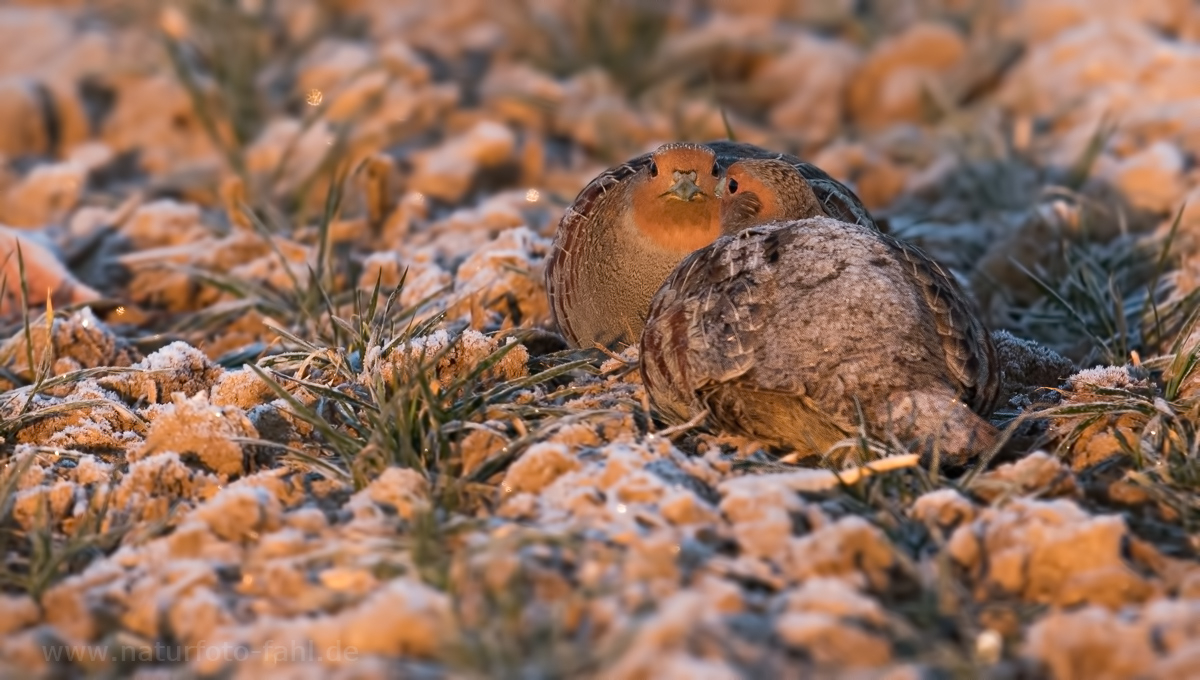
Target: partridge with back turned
x,y
795,327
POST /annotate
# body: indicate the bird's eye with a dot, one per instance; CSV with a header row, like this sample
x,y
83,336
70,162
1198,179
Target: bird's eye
x,y
653,169
716,170
733,186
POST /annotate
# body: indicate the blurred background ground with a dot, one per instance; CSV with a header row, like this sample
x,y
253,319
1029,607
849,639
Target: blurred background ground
x,y
357,197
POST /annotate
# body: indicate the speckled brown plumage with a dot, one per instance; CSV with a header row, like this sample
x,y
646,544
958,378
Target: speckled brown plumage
x,y
787,331
601,272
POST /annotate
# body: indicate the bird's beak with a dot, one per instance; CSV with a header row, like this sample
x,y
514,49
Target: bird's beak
x,y
685,188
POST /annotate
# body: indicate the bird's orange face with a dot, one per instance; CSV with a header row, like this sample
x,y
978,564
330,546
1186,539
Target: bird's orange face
x,y
747,199
674,197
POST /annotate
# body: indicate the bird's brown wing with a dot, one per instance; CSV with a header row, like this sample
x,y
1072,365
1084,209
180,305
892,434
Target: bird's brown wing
x,y
839,201
711,307
591,200
709,324
967,345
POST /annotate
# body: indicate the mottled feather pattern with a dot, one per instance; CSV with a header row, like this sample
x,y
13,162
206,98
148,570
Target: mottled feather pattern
x,y
705,312
780,331
970,355
709,326
665,367
571,228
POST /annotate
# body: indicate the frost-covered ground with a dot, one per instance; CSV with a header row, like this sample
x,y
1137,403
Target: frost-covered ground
x,y
296,407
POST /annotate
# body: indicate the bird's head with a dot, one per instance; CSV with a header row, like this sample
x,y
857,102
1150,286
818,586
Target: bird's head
x,y
757,191
674,196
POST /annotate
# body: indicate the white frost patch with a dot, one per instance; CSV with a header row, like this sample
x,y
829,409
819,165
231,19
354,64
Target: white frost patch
x,y
403,618
401,488
240,512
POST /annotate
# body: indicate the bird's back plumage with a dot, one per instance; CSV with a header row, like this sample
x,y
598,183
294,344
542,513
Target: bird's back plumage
x,y
789,331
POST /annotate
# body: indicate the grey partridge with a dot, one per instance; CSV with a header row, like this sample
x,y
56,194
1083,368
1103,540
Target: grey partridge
x,y
630,226
794,328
